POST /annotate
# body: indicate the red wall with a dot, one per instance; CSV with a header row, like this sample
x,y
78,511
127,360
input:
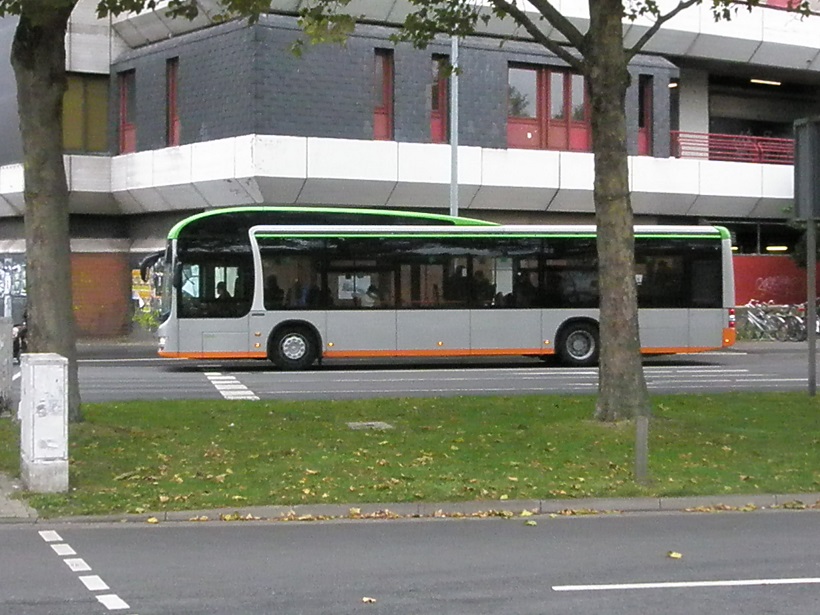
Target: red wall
x,y
101,288
769,278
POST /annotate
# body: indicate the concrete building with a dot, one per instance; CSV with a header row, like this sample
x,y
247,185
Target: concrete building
x,y
165,118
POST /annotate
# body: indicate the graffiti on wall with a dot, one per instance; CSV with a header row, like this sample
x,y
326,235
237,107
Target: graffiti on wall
x,y
13,286
768,278
145,297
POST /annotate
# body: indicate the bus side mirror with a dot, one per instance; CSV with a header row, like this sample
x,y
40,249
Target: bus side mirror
x,y
148,262
177,275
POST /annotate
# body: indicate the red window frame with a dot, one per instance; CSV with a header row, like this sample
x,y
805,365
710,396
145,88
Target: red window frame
x,y
128,125
172,124
557,125
383,104
439,97
645,99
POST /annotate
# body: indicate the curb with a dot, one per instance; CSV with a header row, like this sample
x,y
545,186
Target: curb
x,y
427,510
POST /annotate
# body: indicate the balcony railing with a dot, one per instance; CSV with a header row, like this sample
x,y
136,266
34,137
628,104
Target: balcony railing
x,y
736,148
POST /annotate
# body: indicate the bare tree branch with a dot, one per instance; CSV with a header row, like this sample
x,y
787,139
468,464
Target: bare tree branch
x,y
572,34
661,19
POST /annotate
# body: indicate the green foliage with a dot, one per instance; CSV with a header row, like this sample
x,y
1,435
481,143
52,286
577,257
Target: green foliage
x,y
147,320
143,456
187,9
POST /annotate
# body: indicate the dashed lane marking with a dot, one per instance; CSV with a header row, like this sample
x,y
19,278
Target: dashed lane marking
x,y
63,549
92,582
77,564
229,387
112,602
686,584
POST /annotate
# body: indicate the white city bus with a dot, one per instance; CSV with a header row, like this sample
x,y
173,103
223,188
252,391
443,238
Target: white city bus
x,y
308,284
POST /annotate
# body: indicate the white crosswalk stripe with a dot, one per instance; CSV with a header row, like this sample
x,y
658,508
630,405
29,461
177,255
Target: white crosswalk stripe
x,y
229,387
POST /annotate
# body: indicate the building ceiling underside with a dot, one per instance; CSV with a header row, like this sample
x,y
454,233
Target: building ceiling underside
x,y
763,37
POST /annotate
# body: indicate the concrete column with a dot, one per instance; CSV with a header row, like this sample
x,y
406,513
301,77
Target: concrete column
x,y
43,414
5,364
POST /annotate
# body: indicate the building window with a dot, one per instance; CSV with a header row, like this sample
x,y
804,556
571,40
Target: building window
x,y
439,91
128,108
85,113
547,109
172,126
645,115
383,89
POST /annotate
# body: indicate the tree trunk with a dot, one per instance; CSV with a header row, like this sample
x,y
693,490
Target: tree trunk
x,y
622,391
38,58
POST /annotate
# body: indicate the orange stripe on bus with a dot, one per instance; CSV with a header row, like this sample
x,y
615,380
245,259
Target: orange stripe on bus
x,y
361,354
680,350
729,337
212,355
375,354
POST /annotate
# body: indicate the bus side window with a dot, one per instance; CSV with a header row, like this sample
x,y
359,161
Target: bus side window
x,y
274,295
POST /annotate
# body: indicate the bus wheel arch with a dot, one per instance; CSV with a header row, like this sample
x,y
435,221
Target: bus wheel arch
x,y
578,342
294,345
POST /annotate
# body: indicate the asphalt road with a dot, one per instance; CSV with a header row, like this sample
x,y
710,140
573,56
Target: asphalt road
x,y
760,562
138,375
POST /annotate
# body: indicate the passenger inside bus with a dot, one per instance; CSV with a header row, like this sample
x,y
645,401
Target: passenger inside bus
x,y
274,295
222,293
371,297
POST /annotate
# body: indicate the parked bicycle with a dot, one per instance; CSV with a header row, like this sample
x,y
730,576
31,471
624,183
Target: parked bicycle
x,y
768,321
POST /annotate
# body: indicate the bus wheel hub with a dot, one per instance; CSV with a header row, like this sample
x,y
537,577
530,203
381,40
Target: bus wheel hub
x,y
294,347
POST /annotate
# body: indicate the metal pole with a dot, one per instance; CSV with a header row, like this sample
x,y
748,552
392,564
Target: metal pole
x,y
454,127
811,302
642,449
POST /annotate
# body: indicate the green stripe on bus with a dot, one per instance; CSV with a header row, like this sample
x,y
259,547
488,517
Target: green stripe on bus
x,y
456,221
422,235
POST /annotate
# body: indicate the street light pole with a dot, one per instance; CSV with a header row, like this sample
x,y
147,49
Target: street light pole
x,y
454,127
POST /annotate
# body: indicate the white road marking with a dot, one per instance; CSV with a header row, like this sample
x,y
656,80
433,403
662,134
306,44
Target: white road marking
x,y
63,549
229,387
113,602
50,536
77,564
94,583
685,584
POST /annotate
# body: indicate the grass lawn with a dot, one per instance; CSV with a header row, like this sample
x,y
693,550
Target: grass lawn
x,y
152,456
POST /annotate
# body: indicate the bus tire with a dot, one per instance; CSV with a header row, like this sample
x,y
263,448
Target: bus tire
x,y
579,344
293,348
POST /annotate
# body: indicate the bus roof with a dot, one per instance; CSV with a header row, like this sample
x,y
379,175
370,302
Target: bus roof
x,y
507,230
358,215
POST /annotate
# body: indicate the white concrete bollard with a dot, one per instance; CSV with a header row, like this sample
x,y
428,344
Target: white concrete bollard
x,y
6,359
43,414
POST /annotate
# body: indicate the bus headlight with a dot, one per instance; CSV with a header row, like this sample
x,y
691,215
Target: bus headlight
x,y
162,341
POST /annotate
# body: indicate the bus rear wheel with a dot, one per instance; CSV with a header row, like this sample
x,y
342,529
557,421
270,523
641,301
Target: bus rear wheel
x,y
578,344
293,348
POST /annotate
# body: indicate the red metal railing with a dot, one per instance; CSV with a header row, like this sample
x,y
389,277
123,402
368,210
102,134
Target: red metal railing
x,y
737,148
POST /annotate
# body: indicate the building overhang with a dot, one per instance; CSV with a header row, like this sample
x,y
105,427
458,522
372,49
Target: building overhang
x,y
763,36
254,169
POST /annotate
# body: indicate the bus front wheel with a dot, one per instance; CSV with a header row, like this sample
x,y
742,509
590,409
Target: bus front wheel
x,y
578,344
293,348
